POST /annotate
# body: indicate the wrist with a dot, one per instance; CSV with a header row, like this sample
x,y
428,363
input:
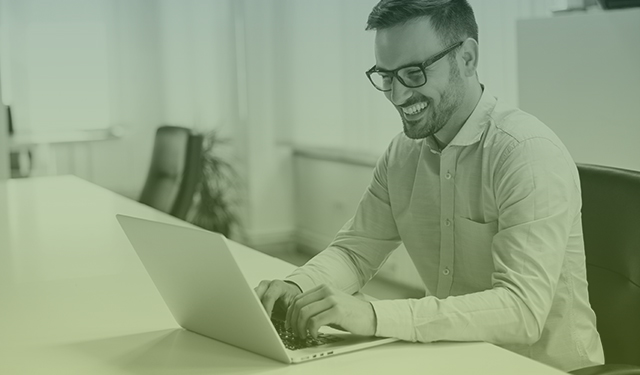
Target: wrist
x,y
297,287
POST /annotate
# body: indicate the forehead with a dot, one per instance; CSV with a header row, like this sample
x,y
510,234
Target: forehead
x,y
410,43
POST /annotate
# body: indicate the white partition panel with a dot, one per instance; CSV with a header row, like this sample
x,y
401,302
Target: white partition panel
x,y
580,74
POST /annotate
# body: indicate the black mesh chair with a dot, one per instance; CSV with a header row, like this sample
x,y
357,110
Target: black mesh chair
x,y
174,172
611,224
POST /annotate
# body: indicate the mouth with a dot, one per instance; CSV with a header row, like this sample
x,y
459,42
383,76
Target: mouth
x,y
414,111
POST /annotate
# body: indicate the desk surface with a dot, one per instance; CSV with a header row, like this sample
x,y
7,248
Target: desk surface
x,y
75,299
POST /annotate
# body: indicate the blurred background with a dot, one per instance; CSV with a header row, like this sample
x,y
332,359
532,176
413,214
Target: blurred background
x,y
276,90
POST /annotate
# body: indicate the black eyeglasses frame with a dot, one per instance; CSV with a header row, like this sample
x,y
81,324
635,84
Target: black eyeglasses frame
x,y
424,65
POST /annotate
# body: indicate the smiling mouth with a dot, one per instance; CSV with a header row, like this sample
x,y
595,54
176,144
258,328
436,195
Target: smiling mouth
x,y
414,109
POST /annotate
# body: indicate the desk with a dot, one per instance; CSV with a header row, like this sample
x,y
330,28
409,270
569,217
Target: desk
x,y
75,299
36,152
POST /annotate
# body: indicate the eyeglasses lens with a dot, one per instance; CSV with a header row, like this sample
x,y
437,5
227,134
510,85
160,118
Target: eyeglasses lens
x,y
411,77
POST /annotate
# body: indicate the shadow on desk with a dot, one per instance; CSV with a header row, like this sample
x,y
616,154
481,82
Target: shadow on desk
x,y
174,351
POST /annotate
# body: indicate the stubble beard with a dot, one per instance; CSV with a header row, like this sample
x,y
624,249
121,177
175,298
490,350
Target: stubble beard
x,y
436,118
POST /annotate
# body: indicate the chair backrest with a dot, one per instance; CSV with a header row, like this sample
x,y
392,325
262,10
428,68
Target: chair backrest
x,y
611,225
174,172
191,177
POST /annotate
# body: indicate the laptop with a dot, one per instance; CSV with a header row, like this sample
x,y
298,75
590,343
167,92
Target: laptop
x,y
206,292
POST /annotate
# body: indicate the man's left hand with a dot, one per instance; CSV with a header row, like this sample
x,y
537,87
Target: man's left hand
x,y
327,306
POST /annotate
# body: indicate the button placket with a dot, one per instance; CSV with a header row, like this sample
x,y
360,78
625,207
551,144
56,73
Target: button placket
x,y
447,163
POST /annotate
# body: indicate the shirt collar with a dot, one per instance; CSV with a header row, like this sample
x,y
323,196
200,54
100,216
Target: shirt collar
x,y
474,127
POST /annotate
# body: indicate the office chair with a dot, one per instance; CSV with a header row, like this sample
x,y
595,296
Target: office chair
x,y
611,225
175,171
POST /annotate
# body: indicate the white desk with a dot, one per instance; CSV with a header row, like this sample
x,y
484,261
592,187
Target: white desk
x,y
75,299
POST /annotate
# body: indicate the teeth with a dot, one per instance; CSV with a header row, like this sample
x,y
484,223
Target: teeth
x,y
414,108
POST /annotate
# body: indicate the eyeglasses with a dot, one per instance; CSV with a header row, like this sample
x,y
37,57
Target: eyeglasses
x,y
411,76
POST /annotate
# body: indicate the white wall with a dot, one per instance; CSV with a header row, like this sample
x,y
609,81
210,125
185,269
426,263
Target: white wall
x,y
197,53
131,98
136,103
219,72
268,162
60,65
195,63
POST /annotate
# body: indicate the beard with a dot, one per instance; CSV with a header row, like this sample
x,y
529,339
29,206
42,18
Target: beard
x,y
434,119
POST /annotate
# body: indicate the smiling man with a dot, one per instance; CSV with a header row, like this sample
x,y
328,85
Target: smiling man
x,y
485,198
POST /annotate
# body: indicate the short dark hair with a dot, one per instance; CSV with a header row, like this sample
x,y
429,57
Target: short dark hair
x,y
452,20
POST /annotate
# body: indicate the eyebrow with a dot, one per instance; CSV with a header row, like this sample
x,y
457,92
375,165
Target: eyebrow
x,y
378,69
424,64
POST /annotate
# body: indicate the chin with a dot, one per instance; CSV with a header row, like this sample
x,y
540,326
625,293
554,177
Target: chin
x,y
416,131
412,135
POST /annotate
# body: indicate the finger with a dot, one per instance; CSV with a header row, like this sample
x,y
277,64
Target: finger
x,y
291,306
261,288
270,297
308,313
292,309
314,295
338,327
279,308
326,317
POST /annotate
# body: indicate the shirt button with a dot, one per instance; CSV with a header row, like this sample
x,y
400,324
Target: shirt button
x,y
447,222
446,272
448,176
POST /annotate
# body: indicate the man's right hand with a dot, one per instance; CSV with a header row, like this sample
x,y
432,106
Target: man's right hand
x,y
272,291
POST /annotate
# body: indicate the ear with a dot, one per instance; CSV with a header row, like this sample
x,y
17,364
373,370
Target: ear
x,y
469,55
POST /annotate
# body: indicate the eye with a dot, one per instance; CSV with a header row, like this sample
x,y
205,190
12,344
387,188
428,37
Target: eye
x,y
386,77
412,74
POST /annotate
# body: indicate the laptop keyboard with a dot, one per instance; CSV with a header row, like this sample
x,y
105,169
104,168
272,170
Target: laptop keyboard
x,y
292,342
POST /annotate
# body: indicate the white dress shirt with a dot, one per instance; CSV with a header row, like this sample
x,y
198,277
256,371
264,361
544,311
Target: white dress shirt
x,y
493,226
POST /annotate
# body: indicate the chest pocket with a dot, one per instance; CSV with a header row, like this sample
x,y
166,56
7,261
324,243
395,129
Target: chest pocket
x,y
472,255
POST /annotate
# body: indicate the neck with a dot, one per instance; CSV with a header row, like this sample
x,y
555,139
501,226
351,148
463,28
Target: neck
x,y
449,131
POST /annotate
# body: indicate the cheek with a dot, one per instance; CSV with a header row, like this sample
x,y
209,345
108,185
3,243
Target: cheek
x,y
429,94
387,95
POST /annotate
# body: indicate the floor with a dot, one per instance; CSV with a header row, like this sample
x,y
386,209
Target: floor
x,y
377,288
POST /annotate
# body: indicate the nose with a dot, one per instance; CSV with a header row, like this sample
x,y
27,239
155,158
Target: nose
x,y
399,93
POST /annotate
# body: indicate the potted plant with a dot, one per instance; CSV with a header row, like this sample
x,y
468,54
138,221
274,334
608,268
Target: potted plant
x,y
215,205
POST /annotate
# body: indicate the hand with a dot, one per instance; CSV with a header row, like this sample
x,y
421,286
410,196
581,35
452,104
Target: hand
x,y
272,291
324,305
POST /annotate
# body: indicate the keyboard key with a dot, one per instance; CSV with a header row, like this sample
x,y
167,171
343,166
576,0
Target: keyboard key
x,y
292,342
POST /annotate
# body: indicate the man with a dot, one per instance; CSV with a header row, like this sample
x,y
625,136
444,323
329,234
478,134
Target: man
x,y
485,198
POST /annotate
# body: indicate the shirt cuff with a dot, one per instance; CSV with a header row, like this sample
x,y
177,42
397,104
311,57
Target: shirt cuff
x,y
394,319
303,281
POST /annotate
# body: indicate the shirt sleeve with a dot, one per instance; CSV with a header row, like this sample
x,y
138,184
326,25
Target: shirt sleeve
x,y
538,200
361,247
